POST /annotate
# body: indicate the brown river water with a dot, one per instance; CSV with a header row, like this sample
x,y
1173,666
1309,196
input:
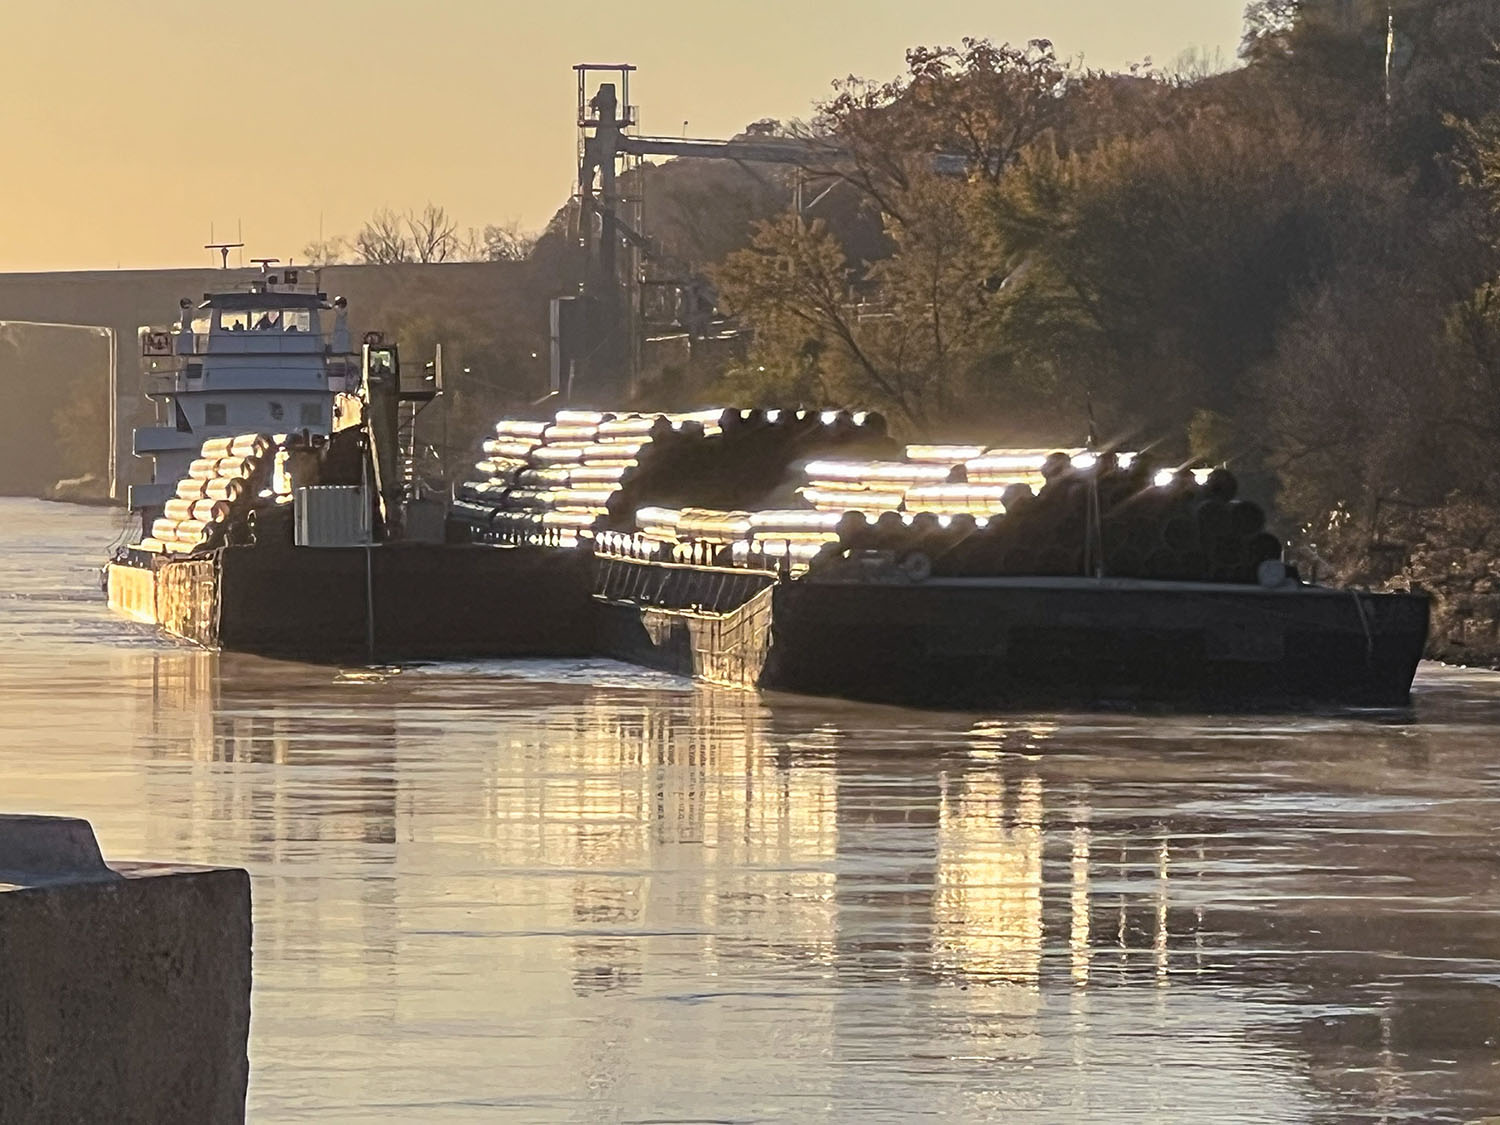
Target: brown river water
x,y
577,891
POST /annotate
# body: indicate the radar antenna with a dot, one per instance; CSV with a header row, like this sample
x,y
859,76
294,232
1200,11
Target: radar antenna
x,y
223,248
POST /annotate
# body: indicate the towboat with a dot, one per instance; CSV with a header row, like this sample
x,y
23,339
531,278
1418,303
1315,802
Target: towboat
x,y
262,358
285,516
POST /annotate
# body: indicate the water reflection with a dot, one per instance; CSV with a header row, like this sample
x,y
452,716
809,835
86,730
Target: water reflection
x,y
577,891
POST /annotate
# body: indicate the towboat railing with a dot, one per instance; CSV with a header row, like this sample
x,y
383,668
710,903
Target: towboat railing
x,y
161,345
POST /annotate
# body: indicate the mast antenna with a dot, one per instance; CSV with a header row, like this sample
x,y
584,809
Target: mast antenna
x,y
223,248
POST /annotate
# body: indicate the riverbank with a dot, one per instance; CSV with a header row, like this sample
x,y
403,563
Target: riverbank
x,y
1452,552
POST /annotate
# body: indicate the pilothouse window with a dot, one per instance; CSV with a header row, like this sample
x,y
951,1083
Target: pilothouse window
x,y
266,320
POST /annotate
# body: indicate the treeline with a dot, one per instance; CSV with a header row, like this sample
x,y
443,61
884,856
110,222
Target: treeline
x,y
429,235
1291,266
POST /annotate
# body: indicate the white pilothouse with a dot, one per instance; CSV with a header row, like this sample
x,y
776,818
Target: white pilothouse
x,y
260,359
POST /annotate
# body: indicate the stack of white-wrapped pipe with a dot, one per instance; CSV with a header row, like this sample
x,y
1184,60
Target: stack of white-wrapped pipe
x,y
216,487
640,486
940,499
550,481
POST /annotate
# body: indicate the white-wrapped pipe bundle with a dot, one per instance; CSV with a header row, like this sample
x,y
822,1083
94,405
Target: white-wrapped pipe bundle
x,y
1011,461
152,544
235,466
514,429
975,499
1004,479
949,455
192,488
794,520
563,453
217,447
771,536
583,497
543,478
708,523
612,450
180,531
518,449
599,472
570,433
499,467
204,468
634,427
209,511
593,418
869,472
658,523
489,489
853,499
224,488
192,531
577,519
250,445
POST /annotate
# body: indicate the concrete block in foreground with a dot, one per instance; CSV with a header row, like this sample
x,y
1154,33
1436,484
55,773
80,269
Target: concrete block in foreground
x,y
124,987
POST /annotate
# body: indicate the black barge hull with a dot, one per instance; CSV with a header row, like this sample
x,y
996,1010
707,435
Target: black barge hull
x,y
961,643
1011,643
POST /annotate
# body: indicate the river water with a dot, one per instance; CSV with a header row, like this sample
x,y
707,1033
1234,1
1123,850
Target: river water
x,y
576,891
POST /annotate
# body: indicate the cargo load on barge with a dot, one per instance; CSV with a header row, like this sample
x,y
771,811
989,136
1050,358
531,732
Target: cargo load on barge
x,y
807,551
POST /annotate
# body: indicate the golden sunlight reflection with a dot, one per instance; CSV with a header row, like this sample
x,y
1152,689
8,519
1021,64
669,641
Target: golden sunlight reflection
x,y
1078,902
987,905
636,792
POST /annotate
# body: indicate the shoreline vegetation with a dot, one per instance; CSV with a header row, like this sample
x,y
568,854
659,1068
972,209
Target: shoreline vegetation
x,y
1288,262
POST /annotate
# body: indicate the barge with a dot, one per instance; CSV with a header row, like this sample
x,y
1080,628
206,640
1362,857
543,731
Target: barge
x,y
802,551
807,552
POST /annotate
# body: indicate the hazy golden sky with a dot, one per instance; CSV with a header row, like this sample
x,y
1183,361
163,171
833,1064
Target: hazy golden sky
x,y
130,126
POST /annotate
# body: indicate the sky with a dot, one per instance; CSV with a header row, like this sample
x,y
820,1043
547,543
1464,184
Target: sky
x,y
135,128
